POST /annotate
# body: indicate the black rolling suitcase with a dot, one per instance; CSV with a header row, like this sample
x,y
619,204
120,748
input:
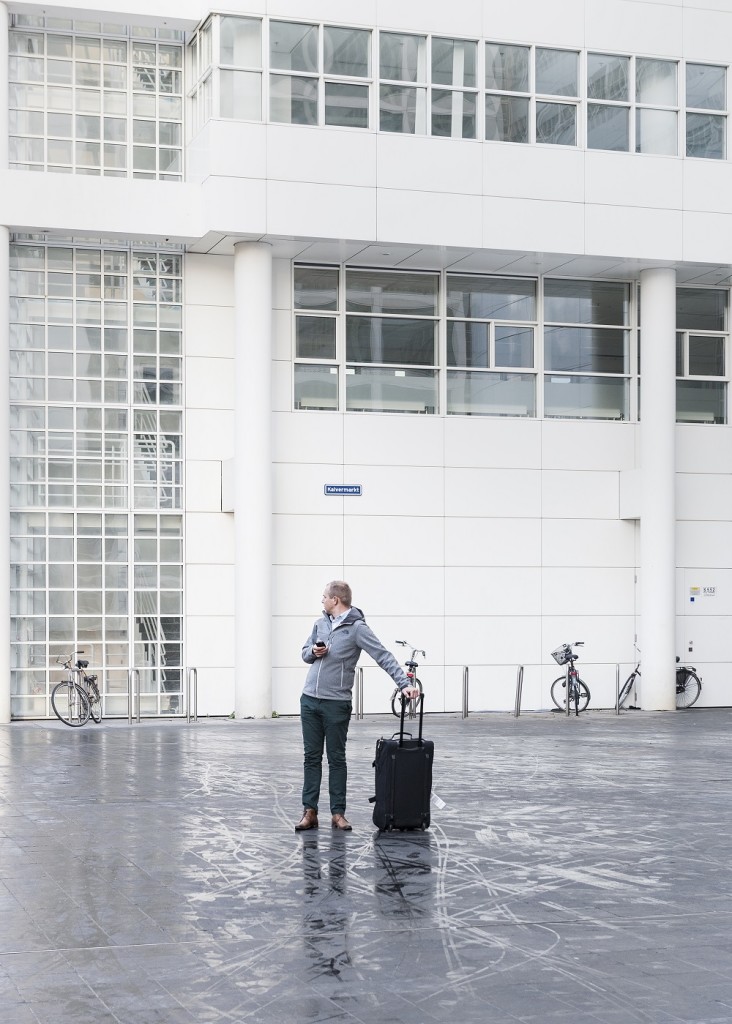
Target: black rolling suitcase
x,y
403,778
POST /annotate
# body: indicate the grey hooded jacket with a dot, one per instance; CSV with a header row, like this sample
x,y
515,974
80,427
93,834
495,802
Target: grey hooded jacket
x,y
331,677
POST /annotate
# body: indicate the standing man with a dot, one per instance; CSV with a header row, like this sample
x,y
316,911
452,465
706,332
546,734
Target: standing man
x,y
332,651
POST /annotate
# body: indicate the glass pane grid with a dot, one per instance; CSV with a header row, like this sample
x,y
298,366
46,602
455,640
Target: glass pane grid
x,y
72,501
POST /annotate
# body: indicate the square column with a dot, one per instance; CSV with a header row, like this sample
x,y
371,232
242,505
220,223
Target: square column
x,y
658,489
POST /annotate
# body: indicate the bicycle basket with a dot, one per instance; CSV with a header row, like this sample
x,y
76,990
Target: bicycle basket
x,y
562,654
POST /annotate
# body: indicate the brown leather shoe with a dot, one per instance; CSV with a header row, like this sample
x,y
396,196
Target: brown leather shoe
x,y
309,820
340,822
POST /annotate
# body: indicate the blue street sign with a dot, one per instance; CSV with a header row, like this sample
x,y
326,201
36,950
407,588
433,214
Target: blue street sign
x,y
343,490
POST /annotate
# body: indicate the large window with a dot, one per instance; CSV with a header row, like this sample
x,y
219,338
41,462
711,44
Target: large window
x,y
490,346
701,355
706,107
403,88
319,74
454,94
586,349
96,469
93,98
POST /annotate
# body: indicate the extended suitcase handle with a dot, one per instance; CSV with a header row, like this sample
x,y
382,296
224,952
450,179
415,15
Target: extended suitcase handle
x,y
405,701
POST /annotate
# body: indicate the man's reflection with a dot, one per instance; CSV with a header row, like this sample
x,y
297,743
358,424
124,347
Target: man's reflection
x,y
325,909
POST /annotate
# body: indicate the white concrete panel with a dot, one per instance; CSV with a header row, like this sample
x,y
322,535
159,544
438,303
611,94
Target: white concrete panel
x,y
429,218
706,186
716,687
281,385
580,495
374,440
282,276
495,443
582,591
233,205
393,490
533,225
554,173
703,449
425,632
340,12
203,486
491,640
576,444
424,164
505,542
209,331
327,156
618,25
460,19
708,635
289,633
209,538
704,544
215,691
305,437
211,383
634,232
390,591
282,334
535,20
492,591
500,493
209,589
300,538
707,237
287,686
589,542
210,642
298,489
299,208
297,590
708,34
209,280
209,434
238,149
627,179
705,603
702,497
607,639
406,540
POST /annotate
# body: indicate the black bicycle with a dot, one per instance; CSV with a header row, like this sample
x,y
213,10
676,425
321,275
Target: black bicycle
x,y
76,698
688,685
569,688
411,667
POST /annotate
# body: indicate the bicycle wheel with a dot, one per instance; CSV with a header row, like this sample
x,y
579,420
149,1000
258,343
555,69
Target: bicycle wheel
x,y
70,704
687,689
396,702
95,707
558,694
626,688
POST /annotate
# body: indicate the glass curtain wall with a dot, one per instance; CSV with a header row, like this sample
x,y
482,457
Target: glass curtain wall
x,y
96,470
95,98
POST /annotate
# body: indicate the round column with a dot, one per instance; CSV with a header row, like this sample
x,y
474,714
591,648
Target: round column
x,y
658,486
253,483
4,469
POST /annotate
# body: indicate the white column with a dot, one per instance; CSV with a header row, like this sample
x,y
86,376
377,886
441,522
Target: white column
x,y
253,480
658,475
4,469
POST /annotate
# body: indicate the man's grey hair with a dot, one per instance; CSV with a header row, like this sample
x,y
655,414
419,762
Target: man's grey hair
x,y
341,590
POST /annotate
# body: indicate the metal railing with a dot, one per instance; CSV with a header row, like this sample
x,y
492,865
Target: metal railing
x,y
133,694
519,690
191,675
466,691
358,695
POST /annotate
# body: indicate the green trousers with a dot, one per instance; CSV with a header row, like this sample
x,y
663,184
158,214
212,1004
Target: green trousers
x,y
325,725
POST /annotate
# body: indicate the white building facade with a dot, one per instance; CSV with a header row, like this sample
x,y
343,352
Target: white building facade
x,y
295,291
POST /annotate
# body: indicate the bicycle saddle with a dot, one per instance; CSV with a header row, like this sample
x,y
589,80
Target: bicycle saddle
x,y
82,664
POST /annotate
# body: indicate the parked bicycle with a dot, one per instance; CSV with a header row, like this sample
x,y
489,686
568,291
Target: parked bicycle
x,y
688,685
76,698
411,669
569,688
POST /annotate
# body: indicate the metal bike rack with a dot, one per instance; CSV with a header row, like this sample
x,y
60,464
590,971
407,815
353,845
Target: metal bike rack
x,y
617,689
358,695
133,693
191,674
466,682
519,689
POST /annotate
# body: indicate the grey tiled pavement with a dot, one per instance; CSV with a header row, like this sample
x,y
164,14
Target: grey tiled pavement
x,y
580,872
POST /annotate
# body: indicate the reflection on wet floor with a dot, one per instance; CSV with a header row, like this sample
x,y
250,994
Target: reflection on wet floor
x,y
579,872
